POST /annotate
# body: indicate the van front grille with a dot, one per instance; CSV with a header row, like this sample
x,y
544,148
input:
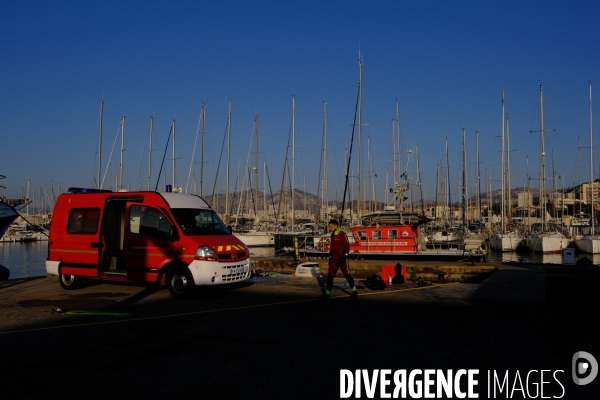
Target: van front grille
x,y
235,273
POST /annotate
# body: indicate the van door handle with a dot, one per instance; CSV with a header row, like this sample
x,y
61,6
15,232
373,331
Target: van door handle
x,y
97,245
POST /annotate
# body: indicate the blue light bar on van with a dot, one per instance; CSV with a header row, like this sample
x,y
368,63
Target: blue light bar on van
x,y
86,190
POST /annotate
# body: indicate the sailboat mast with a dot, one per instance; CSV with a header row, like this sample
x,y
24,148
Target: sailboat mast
x,y
192,159
203,118
359,211
437,188
419,181
370,171
528,193
348,159
293,156
393,158
256,166
579,163
27,208
150,151
304,194
448,183
464,178
387,185
173,164
593,216
503,206
489,197
553,174
228,159
100,145
478,177
508,184
397,144
325,169
265,189
122,148
542,163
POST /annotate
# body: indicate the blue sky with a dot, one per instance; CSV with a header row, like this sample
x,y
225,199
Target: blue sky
x,y
445,62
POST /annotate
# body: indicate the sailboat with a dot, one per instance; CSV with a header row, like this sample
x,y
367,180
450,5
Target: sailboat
x,y
470,240
254,237
590,243
544,241
505,240
446,237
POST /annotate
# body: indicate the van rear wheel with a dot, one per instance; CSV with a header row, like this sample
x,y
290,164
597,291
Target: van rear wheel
x,y
69,282
180,283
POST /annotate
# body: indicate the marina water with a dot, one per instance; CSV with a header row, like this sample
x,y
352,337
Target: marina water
x,y
26,260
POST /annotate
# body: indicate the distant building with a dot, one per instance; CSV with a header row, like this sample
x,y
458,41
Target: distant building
x,y
524,199
586,193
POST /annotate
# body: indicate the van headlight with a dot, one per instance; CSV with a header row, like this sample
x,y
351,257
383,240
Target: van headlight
x,y
205,253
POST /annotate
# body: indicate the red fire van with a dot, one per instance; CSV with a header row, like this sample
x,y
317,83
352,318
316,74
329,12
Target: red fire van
x,y
171,238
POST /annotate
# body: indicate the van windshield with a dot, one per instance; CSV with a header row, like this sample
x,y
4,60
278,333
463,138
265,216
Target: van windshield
x,y
193,221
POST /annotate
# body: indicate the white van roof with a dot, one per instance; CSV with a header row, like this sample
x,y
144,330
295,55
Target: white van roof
x,y
180,200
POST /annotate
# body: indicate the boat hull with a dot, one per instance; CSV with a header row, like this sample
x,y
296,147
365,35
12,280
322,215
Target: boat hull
x,y
504,242
588,244
259,239
7,216
547,243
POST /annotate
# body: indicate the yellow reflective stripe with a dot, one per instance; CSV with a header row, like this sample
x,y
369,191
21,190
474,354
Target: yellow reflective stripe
x,y
228,248
76,251
142,253
139,253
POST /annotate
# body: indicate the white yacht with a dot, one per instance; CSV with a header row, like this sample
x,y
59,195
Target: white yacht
x,y
547,242
503,242
255,238
20,233
588,244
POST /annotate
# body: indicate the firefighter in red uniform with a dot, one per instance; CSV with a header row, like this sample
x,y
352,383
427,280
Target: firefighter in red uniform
x,y
338,259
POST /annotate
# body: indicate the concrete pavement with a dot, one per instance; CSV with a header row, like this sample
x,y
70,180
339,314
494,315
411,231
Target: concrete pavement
x,y
271,338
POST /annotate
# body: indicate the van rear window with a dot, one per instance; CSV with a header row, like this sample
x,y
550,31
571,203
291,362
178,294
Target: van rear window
x,y
83,221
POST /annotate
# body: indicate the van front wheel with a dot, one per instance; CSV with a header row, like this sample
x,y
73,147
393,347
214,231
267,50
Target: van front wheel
x,y
69,282
180,283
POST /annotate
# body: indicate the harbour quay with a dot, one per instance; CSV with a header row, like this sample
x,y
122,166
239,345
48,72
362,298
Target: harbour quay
x,y
270,336
428,270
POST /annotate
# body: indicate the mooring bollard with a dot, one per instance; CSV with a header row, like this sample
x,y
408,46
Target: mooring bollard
x,y
296,250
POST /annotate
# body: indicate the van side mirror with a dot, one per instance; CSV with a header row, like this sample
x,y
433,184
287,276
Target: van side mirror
x,y
230,229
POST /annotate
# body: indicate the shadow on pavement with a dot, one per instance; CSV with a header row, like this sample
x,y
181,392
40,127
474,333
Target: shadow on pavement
x,y
273,339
